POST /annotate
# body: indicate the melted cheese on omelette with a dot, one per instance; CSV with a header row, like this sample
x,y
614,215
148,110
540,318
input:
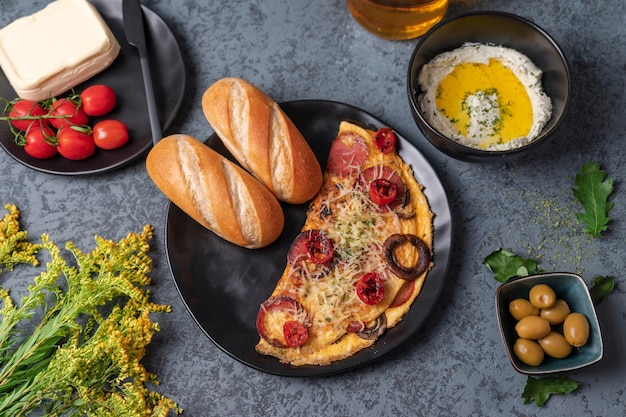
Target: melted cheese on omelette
x,y
344,212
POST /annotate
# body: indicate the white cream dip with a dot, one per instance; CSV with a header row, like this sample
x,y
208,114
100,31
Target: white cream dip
x,y
484,96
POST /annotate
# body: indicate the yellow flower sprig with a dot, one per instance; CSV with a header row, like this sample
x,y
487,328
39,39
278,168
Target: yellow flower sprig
x,y
14,249
83,356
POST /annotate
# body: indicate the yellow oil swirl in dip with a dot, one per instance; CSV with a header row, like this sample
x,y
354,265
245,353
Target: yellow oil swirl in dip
x,y
486,103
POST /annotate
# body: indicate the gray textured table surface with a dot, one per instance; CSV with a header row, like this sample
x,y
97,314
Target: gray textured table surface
x,y
456,364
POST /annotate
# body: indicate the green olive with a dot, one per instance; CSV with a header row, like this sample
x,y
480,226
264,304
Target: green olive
x,y
576,329
520,308
532,327
542,296
528,351
557,313
555,345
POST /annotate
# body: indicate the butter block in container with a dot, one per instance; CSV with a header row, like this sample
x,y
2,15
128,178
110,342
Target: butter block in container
x,y
56,48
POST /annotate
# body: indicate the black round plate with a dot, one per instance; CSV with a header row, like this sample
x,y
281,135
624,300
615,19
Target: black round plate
x,y
124,76
223,285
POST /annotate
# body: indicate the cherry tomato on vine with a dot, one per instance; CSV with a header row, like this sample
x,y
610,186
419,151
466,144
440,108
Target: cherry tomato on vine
x,y
40,142
385,140
75,144
66,112
26,108
98,100
110,134
370,289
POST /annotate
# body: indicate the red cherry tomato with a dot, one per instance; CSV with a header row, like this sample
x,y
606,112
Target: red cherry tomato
x,y
66,112
385,140
75,144
295,333
26,108
382,191
98,100
370,289
40,142
319,248
110,134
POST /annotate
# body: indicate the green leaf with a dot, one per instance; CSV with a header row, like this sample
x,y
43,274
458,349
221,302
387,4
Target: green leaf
x,y
593,192
506,265
601,287
540,389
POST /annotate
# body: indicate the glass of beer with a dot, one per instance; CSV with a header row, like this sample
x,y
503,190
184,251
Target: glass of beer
x,y
398,19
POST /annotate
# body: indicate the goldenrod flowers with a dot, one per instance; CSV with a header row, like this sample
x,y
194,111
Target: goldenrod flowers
x,y
90,328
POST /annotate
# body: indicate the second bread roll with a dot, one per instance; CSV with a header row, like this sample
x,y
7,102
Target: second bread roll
x,y
263,139
215,192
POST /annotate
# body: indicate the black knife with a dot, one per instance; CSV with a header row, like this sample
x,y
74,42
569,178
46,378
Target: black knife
x,y
136,36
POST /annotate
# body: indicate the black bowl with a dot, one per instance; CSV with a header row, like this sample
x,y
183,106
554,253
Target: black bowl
x,y
496,28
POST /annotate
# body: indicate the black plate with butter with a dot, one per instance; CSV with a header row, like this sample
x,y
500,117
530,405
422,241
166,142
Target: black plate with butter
x,y
124,76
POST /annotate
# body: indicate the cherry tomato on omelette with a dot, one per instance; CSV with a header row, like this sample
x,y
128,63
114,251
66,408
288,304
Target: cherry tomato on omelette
x,y
98,100
26,108
40,142
319,248
67,112
385,140
382,191
295,333
110,134
75,144
370,289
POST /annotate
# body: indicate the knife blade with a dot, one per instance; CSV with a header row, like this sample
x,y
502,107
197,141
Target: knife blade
x,y
136,36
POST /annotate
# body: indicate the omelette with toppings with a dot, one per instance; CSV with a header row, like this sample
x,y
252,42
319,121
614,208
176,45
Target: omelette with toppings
x,y
360,259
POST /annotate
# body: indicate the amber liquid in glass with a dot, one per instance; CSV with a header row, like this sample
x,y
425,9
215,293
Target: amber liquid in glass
x,y
398,19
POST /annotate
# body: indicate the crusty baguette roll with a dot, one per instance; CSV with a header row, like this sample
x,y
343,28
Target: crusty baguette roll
x,y
263,139
215,192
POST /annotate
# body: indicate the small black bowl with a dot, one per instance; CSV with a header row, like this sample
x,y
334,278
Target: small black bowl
x,y
496,28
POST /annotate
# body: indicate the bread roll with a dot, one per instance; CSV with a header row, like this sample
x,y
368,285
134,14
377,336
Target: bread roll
x,y
215,192
263,139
